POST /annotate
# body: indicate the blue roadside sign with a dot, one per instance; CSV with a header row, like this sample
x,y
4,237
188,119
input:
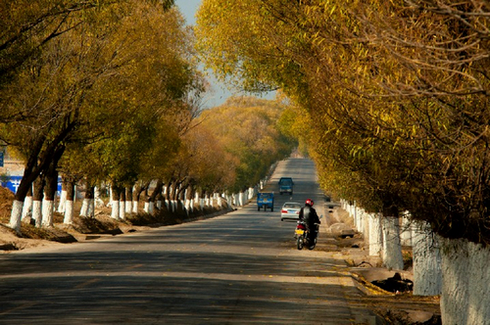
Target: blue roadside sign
x,y
1,158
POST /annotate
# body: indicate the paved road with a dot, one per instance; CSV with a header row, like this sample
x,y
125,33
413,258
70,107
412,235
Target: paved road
x,y
240,268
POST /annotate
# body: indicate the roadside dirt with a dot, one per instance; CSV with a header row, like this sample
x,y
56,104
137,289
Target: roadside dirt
x,y
392,308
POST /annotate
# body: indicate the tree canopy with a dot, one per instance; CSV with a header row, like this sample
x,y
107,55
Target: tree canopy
x,y
108,92
248,130
398,93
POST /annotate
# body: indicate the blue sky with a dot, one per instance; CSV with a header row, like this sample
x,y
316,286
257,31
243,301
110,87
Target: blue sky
x,y
219,92
188,8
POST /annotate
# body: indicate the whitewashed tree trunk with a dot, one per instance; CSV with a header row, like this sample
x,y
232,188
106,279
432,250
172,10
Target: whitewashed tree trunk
x,y
122,209
406,230
129,205
69,208
427,272
115,209
352,210
375,235
47,211
392,249
135,207
191,205
342,203
465,298
98,202
84,208
16,215
37,213
91,208
62,203
27,209
358,219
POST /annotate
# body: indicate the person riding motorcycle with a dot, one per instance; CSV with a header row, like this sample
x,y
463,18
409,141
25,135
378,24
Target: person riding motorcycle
x,y
308,215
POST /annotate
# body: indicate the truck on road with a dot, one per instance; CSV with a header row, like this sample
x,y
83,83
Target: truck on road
x,y
286,185
265,200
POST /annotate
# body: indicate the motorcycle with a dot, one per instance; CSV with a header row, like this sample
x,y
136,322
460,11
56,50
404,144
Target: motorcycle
x,y
303,237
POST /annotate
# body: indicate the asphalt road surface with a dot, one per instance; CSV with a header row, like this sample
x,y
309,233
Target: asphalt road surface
x,y
240,268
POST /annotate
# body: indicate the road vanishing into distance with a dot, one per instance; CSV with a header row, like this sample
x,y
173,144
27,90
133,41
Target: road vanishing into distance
x,y
238,268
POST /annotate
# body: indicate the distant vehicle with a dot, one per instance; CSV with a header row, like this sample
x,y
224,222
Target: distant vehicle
x,y
290,210
286,185
265,200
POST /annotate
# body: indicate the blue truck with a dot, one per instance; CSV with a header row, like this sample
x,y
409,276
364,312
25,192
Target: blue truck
x,y
265,200
286,185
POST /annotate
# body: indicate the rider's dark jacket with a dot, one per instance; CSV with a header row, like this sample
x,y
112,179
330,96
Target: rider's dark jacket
x,y
309,216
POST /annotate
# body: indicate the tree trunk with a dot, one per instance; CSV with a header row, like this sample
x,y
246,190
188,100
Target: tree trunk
x,y
153,197
173,197
41,155
122,204
392,249
98,202
31,173
188,199
159,201
84,207
129,200
360,215
375,235
88,204
64,185
50,193
427,272
37,199
70,197
115,202
192,195
47,211
138,189
27,207
180,200
219,201
168,199
406,230
465,274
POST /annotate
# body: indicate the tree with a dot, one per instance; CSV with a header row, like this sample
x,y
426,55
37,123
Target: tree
x,y
247,128
65,77
28,26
